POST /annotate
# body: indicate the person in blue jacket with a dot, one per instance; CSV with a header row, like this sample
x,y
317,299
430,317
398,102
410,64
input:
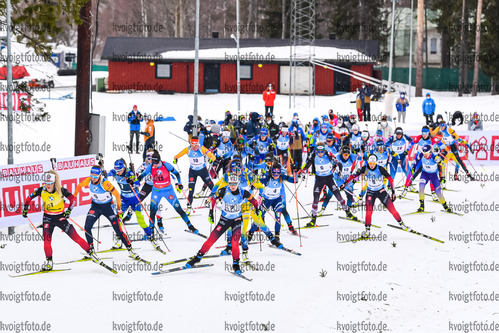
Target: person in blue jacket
x,y
429,109
401,105
134,119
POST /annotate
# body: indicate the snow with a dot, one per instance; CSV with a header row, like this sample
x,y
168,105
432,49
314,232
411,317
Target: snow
x,y
277,53
417,280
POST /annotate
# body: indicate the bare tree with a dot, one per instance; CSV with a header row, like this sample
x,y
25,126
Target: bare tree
x,y
477,46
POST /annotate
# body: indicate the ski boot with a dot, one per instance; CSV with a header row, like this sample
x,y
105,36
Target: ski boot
x,y
404,193
366,233
351,216
447,208
93,256
127,217
468,174
236,267
160,224
132,254
421,206
250,236
434,196
245,255
227,251
48,265
403,226
312,222
411,188
211,217
118,245
292,229
188,211
197,258
323,209
193,228
278,236
276,243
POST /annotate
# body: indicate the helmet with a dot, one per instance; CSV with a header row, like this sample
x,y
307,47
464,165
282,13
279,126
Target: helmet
x,y
95,172
119,165
320,147
372,159
264,132
426,149
233,180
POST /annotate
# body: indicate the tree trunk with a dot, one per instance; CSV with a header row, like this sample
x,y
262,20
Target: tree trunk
x,y
445,48
175,15
283,19
361,21
225,17
461,52
477,46
419,55
250,17
181,18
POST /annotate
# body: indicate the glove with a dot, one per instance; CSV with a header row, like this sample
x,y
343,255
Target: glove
x,y
394,196
179,187
211,218
272,146
342,186
131,180
25,211
67,213
175,161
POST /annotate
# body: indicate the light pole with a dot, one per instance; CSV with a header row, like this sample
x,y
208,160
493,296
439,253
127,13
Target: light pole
x,y
391,49
410,52
238,66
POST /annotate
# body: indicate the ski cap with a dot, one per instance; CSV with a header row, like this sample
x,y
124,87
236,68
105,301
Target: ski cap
x,y
233,180
364,135
372,159
194,140
276,171
119,165
95,172
156,158
425,130
330,137
284,129
355,128
264,132
345,150
49,178
321,147
426,149
399,130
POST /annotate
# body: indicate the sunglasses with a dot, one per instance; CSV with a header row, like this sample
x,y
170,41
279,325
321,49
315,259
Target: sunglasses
x,y
49,183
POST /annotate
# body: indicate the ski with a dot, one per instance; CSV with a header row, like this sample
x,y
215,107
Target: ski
x,y
416,233
115,250
241,276
224,246
315,226
187,259
141,260
249,263
358,221
198,234
414,213
178,217
78,260
307,217
181,268
297,235
41,272
452,213
285,249
101,263
159,249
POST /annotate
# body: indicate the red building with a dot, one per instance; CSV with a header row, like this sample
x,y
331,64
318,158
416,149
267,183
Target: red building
x,y
167,64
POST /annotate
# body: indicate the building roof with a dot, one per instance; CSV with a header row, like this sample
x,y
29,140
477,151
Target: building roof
x,y
153,49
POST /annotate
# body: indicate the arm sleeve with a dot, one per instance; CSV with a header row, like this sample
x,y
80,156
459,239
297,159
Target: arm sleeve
x,y
208,153
182,153
33,195
387,176
70,196
110,188
250,198
84,183
173,171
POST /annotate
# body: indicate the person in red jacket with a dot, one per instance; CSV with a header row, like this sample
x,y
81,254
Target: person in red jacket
x,y
268,98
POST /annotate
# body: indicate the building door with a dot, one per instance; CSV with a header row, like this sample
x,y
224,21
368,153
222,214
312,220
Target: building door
x,y
211,78
341,82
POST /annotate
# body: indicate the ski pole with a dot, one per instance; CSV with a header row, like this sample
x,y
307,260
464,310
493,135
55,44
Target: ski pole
x,y
297,211
179,137
84,230
34,227
150,220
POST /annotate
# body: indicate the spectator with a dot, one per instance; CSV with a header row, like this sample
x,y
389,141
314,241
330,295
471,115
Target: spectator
x,y
401,106
188,126
268,97
149,136
475,124
383,125
359,103
252,127
272,127
134,118
429,109
333,119
366,92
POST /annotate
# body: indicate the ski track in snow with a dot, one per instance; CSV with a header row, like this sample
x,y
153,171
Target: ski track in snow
x,y
417,281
